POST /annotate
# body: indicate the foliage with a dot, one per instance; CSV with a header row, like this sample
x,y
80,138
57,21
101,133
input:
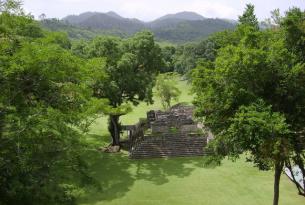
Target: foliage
x,y
79,48
294,28
184,58
168,53
248,18
166,89
187,31
258,130
76,32
252,96
58,38
123,72
43,100
129,67
187,56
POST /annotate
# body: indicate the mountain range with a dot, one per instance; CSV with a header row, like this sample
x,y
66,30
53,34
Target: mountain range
x,y
178,28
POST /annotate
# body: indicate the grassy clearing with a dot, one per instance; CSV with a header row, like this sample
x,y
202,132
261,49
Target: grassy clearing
x,y
182,181
177,181
100,125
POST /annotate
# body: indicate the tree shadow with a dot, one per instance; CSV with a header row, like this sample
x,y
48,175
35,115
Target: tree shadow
x,y
116,173
111,172
94,140
158,171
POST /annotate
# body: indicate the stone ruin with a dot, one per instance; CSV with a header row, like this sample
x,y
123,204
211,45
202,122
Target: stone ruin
x,y
178,119
171,133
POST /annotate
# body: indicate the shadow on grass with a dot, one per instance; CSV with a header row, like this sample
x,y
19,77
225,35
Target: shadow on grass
x,y
158,171
96,141
116,173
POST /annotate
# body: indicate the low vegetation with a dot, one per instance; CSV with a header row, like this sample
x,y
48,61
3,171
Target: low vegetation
x,y
167,90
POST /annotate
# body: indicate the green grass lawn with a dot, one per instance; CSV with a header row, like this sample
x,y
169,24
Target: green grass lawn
x,y
100,126
175,181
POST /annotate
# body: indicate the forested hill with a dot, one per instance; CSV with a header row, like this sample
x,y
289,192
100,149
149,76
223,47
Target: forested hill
x,y
177,28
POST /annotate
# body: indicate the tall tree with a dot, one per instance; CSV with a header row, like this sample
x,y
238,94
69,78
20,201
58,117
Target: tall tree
x,y
41,103
293,25
248,18
168,53
130,67
166,89
249,101
184,58
294,39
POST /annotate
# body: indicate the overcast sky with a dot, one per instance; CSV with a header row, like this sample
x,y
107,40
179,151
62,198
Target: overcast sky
x,y
148,10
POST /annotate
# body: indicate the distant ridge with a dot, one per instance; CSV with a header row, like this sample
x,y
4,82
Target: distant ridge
x,y
179,27
113,14
105,21
184,15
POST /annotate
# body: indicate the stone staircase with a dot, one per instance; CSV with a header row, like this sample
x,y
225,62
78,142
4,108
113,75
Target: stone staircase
x,y
169,146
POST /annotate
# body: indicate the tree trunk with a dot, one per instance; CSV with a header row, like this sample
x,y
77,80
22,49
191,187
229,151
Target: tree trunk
x,y
2,117
299,161
114,129
277,178
298,186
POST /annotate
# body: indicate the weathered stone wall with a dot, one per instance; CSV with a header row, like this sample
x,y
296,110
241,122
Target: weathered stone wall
x,y
177,119
164,129
136,133
188,128
173,133
155,129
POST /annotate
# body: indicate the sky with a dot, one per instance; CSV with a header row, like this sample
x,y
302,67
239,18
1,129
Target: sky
x,y
148,10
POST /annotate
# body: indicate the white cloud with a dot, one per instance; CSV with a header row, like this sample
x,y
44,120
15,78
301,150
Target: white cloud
x,y
213,9
148,11
151,9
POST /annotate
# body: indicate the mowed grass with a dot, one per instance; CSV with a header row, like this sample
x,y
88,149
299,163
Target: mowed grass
x,y
175,181
100,125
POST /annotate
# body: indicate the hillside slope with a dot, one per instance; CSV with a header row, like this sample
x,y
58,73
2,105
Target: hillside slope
x,y
178,28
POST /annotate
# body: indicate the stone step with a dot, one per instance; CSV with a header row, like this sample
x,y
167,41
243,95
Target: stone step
x,y
165,155
174,142
170,146
167,150
169,154
170,151
174,139
168,141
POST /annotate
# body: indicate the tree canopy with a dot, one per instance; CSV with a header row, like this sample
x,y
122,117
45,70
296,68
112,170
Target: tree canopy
x,y
127,73
166,89
252,95
44,98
